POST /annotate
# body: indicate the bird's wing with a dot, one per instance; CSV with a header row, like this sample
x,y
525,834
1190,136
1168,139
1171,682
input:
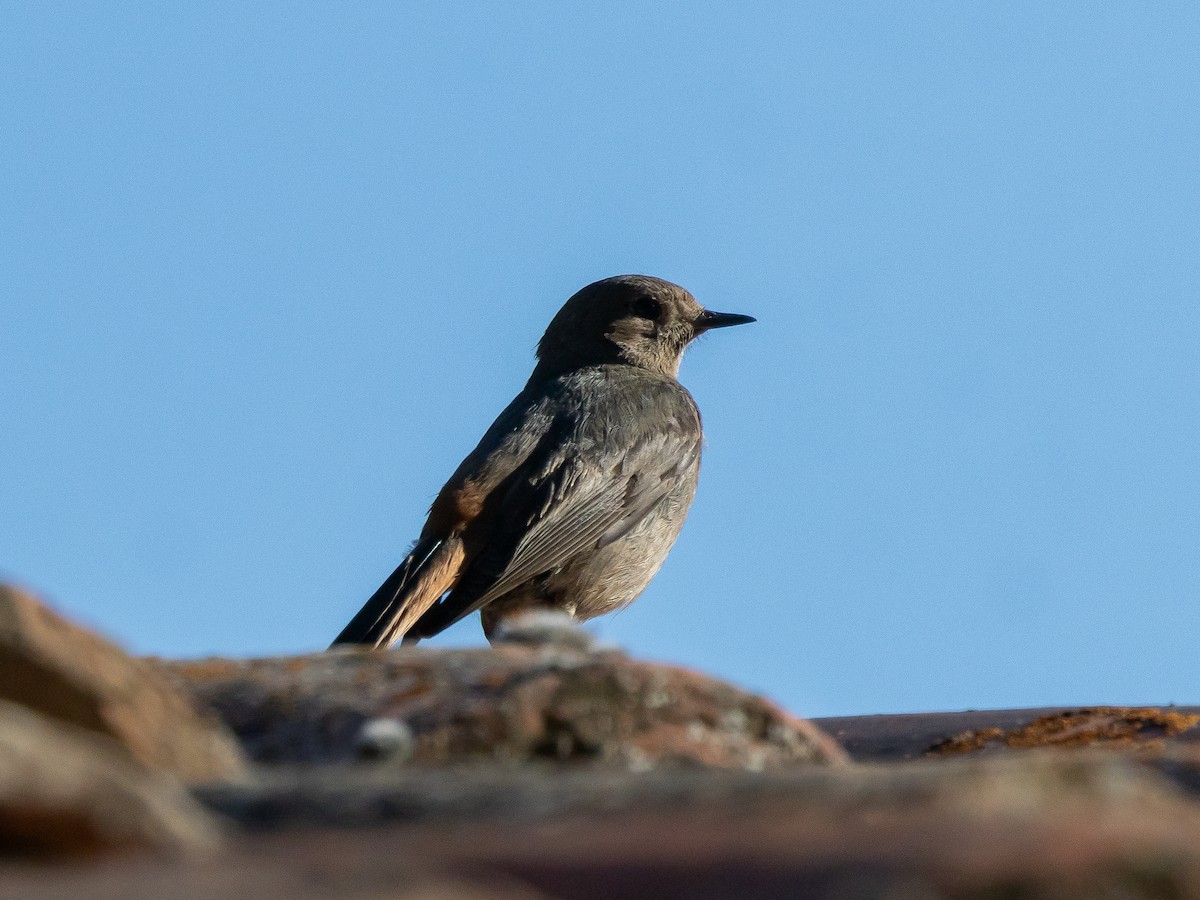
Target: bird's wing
x,y
599,477
435,564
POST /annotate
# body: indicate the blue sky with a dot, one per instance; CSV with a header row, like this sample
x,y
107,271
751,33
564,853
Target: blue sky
x,y
269,271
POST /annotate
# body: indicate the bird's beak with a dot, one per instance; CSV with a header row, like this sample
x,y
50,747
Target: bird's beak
x,y
708,320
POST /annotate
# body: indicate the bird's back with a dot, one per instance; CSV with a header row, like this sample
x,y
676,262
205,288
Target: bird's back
x,y
587,517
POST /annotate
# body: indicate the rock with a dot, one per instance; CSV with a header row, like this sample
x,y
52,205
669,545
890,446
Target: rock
x,y
1142,728
887,738
75,676
264,875
66,791
389,739
513,703
1035,783
1057,825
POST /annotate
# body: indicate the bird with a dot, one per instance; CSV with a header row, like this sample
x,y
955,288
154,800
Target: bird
x,y
576,493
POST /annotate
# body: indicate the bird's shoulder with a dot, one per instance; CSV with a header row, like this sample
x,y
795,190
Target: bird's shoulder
x,y
595,416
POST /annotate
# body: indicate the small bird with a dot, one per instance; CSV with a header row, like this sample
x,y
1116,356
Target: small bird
x,y
574,496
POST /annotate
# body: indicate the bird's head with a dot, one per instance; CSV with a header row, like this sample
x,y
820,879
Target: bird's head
x,y
634,319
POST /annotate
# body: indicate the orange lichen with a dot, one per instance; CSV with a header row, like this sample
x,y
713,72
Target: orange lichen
x,y
1104,725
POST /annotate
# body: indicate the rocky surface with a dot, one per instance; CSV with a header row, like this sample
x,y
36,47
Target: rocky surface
x,y
509,705
1144,729
918,735
70,674
550,768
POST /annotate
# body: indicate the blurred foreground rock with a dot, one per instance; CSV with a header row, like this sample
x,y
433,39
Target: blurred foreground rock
x,y
68,673
1040,824
67,792
512,704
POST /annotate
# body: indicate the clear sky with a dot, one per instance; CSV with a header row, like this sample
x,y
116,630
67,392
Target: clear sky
x,y
268,271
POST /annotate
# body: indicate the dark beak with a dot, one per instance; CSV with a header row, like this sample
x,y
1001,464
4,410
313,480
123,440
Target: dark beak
x,y
709,320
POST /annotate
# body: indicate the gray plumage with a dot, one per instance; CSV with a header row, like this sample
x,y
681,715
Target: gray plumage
x,y
576,493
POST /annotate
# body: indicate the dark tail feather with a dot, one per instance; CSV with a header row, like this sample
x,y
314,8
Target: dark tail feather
x,y
426,573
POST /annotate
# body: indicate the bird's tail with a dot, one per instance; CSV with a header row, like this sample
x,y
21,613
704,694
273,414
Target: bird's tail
x,y
426,574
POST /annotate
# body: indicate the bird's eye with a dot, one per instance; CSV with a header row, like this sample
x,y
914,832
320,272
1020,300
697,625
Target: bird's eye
x,y
646,308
